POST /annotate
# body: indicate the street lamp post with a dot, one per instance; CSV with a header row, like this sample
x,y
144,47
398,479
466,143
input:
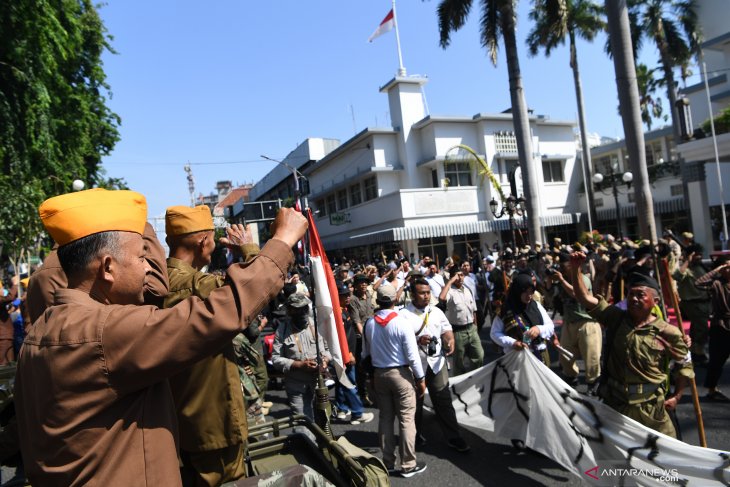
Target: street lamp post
x,y
627,177
512,206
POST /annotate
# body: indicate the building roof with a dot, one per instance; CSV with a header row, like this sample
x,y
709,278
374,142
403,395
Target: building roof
x,y
235,194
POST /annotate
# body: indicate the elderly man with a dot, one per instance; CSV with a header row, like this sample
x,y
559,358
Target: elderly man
x,y
93,400
390,344
461,311
207,396
638,347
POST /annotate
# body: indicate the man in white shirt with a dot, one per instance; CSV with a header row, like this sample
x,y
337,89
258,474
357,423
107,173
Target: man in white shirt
x,y
461,311
391,345
435,281
435,343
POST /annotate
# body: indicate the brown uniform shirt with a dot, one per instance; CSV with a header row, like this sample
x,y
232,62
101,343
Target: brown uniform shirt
x,y
208,398
93,401
44,282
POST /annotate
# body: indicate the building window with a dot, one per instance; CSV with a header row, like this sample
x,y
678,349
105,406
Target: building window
x,y
331,204
342,199
321,208
371,188
458,173
355,194
552,171
434,248
676,190
505,141
464,243
653,153
434,178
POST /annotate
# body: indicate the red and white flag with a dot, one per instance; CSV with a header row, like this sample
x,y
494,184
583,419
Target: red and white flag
x,y
327,303
386,25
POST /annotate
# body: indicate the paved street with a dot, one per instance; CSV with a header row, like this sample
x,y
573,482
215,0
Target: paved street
x,y
492,460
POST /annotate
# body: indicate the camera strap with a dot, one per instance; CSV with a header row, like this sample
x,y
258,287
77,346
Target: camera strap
x,y
425,322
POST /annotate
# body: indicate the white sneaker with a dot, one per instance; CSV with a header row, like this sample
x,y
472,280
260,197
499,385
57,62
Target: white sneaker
x,y
365,418
343,415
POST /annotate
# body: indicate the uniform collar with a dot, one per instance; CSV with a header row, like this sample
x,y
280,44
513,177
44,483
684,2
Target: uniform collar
x,y
74,296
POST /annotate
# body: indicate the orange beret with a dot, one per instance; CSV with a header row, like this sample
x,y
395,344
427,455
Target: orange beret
x,y
72,216
180,220
25,281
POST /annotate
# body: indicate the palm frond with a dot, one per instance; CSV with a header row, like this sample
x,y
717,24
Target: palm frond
x,y
490,27
550,25
452,15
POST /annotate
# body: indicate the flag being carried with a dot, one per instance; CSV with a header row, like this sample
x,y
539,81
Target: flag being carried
x,y
327,303
385,26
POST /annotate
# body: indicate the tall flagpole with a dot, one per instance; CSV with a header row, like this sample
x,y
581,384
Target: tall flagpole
x,y
401,69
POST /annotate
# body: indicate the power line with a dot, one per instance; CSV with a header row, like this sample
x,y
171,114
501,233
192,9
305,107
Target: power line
x,y
252,161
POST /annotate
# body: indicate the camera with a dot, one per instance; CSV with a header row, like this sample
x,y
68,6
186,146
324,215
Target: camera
x,y
551,270
431,349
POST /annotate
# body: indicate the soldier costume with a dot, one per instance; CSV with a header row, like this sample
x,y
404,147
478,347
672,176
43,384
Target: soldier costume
x,y
695,302
294,353
637,360
93,401
208,399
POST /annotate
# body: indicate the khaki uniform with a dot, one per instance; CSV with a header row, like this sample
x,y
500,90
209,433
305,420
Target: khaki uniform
x,y
108,417
582,336
695,306
636,366
207,396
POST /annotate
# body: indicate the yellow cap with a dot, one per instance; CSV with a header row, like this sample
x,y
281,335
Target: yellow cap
x,y
25,281
180,220
72,216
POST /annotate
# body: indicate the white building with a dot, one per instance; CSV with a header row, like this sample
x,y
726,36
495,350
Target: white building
x,y
404,187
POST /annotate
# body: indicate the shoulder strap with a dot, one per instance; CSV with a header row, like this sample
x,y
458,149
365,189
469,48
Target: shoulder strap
x,y
425,322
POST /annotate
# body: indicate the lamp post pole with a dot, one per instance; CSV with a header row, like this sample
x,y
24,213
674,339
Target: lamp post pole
x,y
627,177
512,206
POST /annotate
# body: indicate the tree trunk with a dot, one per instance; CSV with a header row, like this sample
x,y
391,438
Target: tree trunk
x,y
619,33
521,121
667,67
587,165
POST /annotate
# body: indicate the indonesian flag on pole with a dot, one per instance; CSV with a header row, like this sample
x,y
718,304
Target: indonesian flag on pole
x,y
385,26
327,303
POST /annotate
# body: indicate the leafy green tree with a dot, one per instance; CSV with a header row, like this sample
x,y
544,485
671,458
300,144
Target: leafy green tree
x,y
55,125
553,21
498,18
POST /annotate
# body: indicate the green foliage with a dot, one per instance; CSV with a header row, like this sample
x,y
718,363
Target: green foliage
x,y
20,225
651,105
722,123
54,123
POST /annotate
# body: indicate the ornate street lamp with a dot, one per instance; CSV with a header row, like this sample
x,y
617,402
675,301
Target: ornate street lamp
x,y
512,206
627,177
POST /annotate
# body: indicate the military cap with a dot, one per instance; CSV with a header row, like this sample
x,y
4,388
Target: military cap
x,y
180,220
415,273
637,279
342,288
360,278
298,301
72,216
688,235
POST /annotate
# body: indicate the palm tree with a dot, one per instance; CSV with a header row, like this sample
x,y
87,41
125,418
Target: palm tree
x,y
554,20
672,26
499,17
619,35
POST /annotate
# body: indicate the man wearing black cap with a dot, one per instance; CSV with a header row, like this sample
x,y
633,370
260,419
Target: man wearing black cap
x,y
638,344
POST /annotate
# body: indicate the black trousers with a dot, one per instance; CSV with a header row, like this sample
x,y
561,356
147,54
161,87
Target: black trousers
x,y
438,390
719,344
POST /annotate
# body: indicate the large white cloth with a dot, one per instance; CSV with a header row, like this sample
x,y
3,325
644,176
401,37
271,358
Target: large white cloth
x,y
518,397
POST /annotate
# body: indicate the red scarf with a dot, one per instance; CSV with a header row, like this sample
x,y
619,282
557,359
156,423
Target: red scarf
x,y
384,321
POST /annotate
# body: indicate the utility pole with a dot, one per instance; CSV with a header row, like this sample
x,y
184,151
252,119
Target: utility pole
x,y
191,183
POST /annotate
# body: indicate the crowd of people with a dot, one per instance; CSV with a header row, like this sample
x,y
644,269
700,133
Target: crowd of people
x,y
163,359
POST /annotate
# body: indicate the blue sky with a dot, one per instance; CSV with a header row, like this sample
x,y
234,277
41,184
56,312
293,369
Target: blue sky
x,y
228,80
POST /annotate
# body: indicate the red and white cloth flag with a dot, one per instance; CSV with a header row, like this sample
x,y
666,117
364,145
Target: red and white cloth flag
x,y
386,25
327,303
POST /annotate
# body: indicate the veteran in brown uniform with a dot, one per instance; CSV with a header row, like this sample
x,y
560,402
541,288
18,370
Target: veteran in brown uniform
x,y
210,409
93,401
638,348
